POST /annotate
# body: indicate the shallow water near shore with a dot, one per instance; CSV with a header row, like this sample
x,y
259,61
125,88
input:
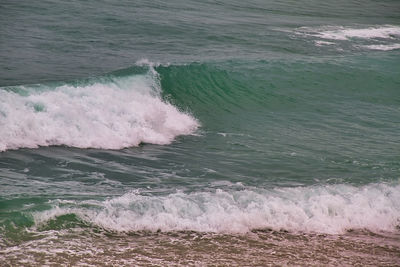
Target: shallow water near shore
x,y
266,247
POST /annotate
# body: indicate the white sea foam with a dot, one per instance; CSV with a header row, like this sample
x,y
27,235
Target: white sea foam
x,y
383,47
323,209
114,114
321,43
344,33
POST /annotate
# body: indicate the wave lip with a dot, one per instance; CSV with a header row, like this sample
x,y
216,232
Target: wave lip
x,y
109,114
323,209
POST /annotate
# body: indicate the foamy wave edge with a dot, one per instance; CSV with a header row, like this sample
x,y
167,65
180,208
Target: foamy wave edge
x,y
119,113
331,209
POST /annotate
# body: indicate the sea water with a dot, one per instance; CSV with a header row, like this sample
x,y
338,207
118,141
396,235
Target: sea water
x,y
199,133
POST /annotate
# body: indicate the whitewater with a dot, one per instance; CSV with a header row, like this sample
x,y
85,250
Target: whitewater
x,y
327,209
112,114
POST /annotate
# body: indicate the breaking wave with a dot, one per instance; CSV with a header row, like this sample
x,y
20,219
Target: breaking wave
x,y
110,112
323,209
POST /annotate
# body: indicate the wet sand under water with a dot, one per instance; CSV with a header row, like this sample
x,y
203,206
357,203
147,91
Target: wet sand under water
x,y
258,248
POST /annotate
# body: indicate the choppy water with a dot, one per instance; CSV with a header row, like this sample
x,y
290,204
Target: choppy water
x,y
221,132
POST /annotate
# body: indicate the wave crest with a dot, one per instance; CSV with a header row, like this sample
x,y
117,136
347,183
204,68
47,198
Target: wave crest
x,y
108,113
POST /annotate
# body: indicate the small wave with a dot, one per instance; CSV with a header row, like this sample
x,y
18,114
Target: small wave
x,y
109,113
324,209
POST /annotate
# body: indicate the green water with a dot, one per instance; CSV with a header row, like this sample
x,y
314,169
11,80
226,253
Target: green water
x,y
221,122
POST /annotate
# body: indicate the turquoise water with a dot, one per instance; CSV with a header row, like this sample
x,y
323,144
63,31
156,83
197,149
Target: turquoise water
x,y
199,133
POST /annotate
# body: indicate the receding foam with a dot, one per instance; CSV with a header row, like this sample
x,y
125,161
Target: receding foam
x,y
323,209
112,114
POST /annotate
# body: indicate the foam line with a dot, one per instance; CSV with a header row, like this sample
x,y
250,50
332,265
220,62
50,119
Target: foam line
x,y
341,33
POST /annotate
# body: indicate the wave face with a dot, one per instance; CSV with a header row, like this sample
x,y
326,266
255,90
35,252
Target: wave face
x,y
322,209
110,113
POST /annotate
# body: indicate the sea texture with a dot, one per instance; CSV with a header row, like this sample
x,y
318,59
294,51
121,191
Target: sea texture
x,y
199,133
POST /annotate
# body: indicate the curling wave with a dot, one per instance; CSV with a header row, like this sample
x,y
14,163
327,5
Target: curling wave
x,y
109,112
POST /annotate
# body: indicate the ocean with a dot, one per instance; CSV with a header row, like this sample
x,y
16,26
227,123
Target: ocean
x,y
176,133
